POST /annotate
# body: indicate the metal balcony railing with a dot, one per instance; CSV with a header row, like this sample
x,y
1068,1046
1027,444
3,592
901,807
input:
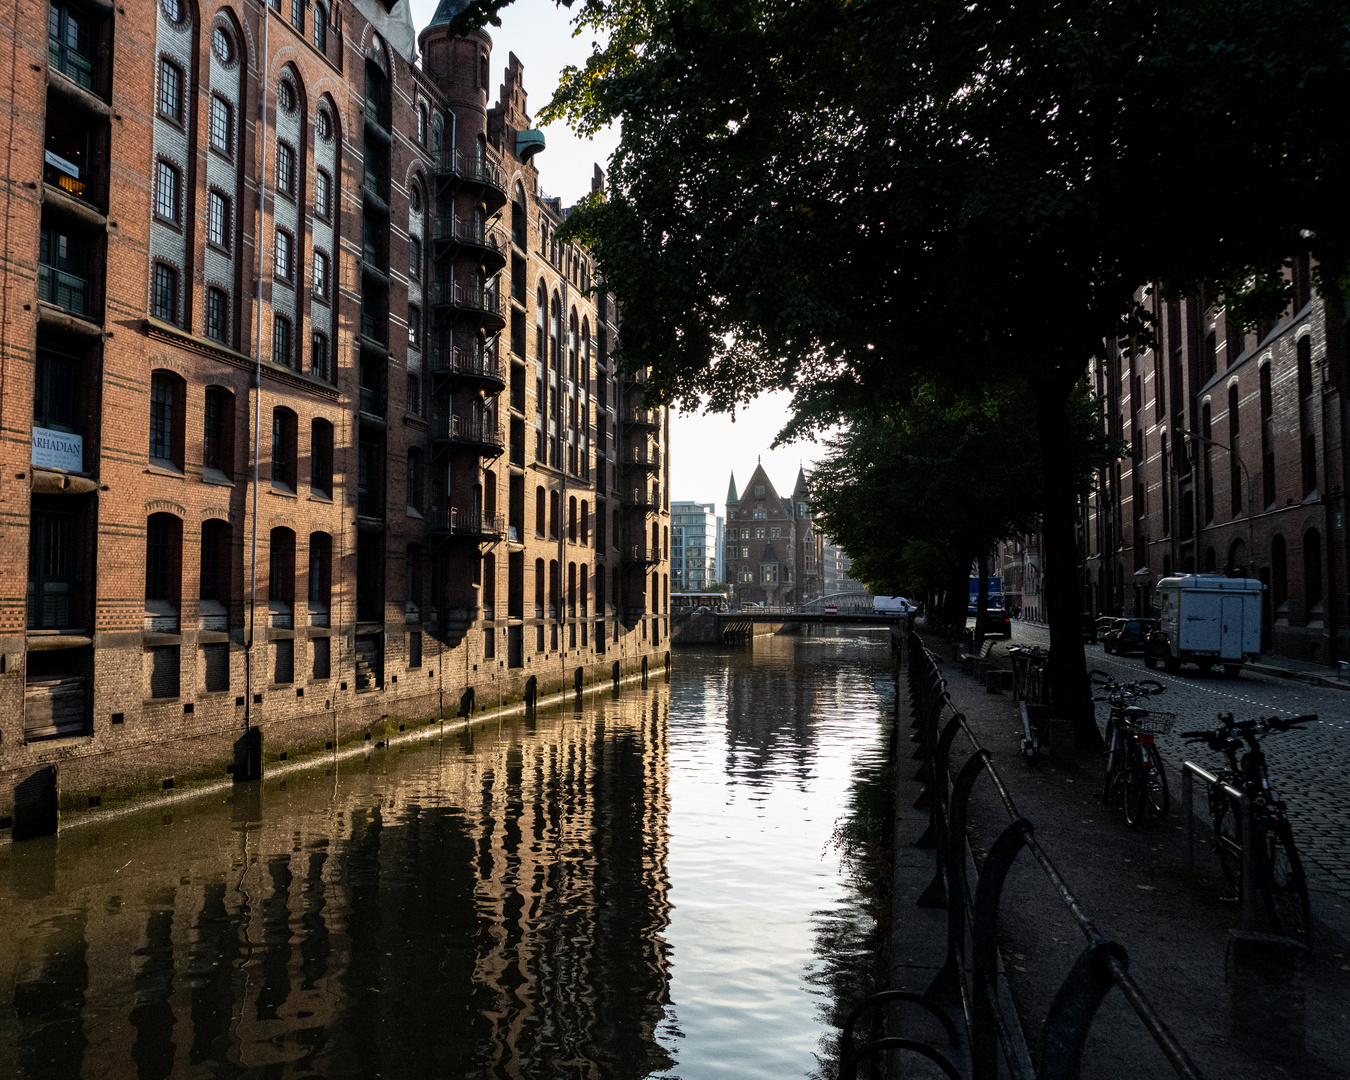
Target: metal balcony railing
x,y
464,429
642,417
375,327
70,62
450,361
639,554
647,458
471,168
66,291
466,232
458,522
372,401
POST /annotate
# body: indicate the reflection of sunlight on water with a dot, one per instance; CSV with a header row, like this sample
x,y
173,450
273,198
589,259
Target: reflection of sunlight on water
x,y
751,876
628,888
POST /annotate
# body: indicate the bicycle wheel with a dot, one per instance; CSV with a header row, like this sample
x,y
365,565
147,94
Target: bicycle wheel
x,y
1159,797
1283,886
1135,782
1228,838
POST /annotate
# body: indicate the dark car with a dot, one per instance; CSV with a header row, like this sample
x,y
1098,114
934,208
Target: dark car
x,y
1103,624
996,621
1127,635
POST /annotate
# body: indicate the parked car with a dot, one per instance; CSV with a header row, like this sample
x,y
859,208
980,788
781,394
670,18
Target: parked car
x,y
996,621
1089,628
1127,635
1103,624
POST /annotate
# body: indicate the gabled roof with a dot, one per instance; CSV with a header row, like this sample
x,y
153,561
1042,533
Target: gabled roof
x,y
760,478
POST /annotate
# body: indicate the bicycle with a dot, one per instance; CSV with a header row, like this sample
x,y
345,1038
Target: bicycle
x,y
1134,771
1279,870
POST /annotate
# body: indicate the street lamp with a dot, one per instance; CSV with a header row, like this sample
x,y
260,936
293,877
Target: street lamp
x,y
1246,482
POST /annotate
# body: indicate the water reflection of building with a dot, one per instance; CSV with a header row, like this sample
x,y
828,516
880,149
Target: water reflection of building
x,y
493,904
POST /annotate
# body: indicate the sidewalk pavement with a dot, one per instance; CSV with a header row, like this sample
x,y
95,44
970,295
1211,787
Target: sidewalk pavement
x,y
1173,923
1286,667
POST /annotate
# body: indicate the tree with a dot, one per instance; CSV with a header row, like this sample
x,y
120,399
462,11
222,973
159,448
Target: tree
x,y
847,198
914,494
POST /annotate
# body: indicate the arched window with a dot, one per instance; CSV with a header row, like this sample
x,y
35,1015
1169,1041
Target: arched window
x,y
540,335
218,433
555,333
585,353
489,586
539,588
163,571
539,512
572,346
571,590
554,588
519,225
585,522
167,406
572,519
415,480
1279,578
422,129
284,449
585,589
321,458
320,591
281,576
321,28
213,581
1312,574
553,510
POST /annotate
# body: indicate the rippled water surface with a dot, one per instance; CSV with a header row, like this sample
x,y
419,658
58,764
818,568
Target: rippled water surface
x,y
631,887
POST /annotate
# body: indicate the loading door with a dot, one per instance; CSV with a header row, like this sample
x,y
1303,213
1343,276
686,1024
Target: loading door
x,y
1230,640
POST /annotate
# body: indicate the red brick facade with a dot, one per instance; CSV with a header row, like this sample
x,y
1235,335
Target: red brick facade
x,y
774,552
455,490
1237,464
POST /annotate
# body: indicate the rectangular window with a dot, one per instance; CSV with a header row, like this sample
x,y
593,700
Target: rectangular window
x,y
170,91
414,394
415,648
414,326
217,315
298,15
321,648
320,469
285,256
285,170
222,126
323,195
216,667
166,293
320,275
284,671
167,196
218,220
415,257
281,341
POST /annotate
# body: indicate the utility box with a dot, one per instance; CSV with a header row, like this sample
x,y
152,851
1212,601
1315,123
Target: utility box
x,y
1206,619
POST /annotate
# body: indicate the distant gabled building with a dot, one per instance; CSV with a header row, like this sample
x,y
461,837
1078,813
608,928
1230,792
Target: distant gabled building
x,y
774,553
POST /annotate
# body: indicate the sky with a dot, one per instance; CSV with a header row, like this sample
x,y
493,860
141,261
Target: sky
x,y
705,450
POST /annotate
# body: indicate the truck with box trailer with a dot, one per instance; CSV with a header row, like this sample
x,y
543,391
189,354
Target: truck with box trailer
x,y
1206,619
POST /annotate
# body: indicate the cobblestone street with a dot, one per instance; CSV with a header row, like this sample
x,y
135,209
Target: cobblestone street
x,y
1307,767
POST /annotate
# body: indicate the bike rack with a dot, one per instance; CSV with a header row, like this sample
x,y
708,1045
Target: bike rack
x,y
969,976
1250,917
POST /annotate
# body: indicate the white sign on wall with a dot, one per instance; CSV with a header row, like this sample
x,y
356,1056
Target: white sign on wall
x,y
58,450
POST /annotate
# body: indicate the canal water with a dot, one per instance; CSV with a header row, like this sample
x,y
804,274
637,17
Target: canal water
x,y
643,884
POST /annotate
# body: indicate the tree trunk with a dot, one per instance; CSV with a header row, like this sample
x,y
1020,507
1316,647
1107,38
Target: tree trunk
x,y
1070,694
958,596
982,598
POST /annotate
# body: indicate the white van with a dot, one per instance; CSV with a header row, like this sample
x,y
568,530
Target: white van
x,y
891,605
1206,619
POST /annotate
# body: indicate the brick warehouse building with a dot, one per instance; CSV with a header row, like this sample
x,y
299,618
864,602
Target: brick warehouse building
x,y
455,490
1237,464
774,552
